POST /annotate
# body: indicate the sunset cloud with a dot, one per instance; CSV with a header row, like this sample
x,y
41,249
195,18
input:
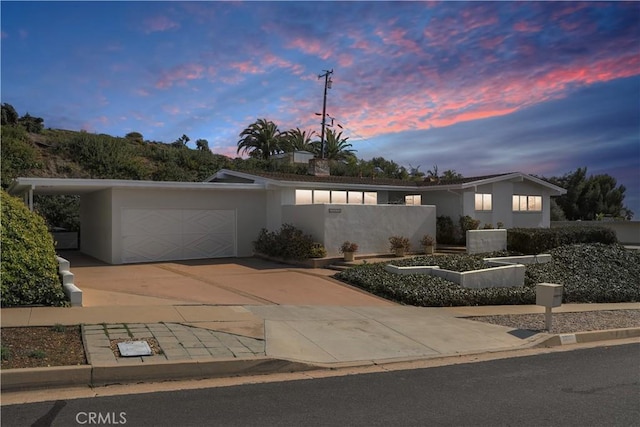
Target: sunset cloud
x,y
413,81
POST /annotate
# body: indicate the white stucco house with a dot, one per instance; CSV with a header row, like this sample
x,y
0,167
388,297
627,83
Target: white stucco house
x,y
126,221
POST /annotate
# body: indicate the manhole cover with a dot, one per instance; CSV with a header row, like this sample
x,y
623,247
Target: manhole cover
x,y
134,348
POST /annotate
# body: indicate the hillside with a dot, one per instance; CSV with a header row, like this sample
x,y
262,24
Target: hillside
x,y
70,154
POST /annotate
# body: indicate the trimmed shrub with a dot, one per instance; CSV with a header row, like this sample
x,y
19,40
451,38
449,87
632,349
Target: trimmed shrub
x,y
467,223
29,269
446,231
289,243
533,241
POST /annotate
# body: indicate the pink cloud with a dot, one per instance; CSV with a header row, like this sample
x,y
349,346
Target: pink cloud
x,y
526,27
311,47
159,24
246,67
180,75
447,102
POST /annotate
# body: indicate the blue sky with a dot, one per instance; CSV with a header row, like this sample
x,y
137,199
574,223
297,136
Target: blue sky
x,y
479,87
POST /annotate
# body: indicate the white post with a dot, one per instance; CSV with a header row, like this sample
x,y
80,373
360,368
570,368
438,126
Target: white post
x,y
547,318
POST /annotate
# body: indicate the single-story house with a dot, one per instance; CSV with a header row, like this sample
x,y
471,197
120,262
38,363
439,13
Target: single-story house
x,y
125,221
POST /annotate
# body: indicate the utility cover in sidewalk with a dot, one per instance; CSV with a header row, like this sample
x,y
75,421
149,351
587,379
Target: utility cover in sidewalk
x,y
134,348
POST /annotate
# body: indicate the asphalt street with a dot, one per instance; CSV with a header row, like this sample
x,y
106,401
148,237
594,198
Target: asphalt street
x,y
585,387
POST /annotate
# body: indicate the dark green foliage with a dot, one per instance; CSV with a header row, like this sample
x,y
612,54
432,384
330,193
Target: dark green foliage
x,y
589,273
104,156
9,115
446,232
19,156
59,210
31,124
29,269
533,241
135,136
449,233
467,223
289,243
589,198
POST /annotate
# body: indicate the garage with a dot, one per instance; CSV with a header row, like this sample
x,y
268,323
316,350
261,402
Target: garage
x,y
177,234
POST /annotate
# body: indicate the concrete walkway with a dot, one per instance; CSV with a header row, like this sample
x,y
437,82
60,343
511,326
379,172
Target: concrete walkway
x,y
304,336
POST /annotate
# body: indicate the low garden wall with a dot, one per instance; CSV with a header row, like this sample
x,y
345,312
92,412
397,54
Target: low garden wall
x,y
483,241
504,272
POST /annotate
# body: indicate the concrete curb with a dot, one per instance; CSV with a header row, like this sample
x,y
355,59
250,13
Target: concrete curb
x,y
590,336
103,374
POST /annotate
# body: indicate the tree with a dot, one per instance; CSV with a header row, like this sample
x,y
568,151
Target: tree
x,y
135,136
181,142
450,174
432,174
31,124
336,147
9,114
297,139
202,145
590,198
261,139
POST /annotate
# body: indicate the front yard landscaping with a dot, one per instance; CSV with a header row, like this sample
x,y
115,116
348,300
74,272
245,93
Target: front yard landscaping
x,y
590,273
42,346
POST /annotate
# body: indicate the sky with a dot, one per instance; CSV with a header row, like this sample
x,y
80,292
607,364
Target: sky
x,y
479,87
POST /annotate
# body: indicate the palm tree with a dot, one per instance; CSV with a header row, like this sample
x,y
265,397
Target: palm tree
x,y
299,140
261,139
336,147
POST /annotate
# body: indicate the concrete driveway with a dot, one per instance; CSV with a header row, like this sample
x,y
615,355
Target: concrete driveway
x,y
236,281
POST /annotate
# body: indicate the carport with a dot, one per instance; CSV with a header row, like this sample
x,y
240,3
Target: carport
x,y
124,221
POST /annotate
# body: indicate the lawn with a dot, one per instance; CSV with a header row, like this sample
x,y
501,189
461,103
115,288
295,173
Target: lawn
x,y
590,273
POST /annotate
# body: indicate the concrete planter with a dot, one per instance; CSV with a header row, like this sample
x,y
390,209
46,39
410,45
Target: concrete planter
x,y
428,250
348,256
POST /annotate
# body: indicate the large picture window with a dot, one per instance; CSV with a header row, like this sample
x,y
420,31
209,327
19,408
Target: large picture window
x,y
483,202
309,197
523,203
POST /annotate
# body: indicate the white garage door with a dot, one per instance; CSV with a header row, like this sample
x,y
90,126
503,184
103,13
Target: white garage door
x,y
177,234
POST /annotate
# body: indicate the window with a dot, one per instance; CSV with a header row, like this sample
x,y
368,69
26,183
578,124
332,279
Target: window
x,y
370,198
307,197
527,203
304,197
483,202
355,197
413,199
321,196
338,197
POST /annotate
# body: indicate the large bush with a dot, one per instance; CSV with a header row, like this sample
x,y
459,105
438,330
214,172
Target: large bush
x,y
28,269
289,243
539,240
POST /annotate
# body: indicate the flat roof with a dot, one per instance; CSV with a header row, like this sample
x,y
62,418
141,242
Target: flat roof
x,y
82,186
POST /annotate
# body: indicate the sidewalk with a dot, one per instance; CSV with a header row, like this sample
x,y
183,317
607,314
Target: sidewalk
x,y
199,341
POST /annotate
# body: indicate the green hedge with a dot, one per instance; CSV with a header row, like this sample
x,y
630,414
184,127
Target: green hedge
x,y
28,269
538,240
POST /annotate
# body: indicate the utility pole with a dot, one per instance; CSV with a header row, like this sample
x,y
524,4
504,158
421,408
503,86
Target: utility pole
x,y
327,85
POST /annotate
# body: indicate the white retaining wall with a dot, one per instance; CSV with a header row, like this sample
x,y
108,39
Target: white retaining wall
x,y
482,241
